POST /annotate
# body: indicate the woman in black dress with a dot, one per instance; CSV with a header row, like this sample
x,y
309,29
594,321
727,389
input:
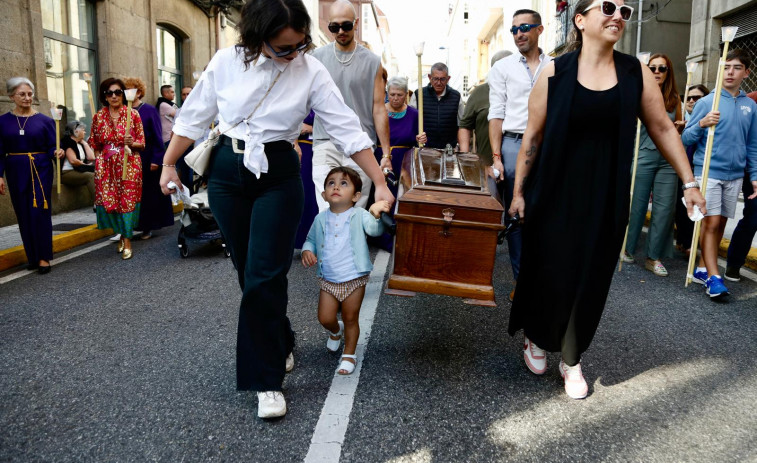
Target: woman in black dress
x,y
573,180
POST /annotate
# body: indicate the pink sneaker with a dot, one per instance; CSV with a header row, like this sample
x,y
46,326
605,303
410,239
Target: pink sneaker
x,y
575,384
536,358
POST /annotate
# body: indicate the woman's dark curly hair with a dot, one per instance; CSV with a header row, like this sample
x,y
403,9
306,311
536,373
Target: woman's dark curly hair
x,y
105,85
264,19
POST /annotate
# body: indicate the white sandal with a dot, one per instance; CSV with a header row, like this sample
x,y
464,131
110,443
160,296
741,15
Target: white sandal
x,y
332,345
346,365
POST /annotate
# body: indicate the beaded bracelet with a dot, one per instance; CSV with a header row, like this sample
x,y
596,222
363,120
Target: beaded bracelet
x,y
168,165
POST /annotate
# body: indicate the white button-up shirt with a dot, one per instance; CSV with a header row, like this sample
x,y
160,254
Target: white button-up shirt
x,y
510,84
337,254
230,92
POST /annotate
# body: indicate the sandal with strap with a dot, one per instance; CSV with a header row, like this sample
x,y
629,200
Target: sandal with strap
x,y
332,345
346,365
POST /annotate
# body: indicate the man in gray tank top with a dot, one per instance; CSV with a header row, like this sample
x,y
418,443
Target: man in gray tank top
x,y
353,68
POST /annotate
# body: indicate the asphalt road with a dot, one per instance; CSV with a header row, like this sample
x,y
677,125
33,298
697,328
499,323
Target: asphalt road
x,y
106,360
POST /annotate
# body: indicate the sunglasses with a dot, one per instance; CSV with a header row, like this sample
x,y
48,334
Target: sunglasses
x,y
523,28
113,92
345,26
608,7
662,69
289,51
693,97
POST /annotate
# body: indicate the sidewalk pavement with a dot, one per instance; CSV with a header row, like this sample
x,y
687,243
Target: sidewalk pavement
x,y
70,229
75,228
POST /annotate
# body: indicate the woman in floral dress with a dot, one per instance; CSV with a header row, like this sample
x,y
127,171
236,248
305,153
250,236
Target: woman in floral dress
x,y
116,198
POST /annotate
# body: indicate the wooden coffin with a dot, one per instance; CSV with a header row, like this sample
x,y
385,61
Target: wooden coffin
x,y
447,219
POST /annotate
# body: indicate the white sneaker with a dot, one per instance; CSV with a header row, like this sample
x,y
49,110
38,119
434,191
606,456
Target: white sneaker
x,y
575,384
271,404
535,357
290,362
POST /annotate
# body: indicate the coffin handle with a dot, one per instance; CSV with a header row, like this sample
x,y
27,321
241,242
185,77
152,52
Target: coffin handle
x,y
448,215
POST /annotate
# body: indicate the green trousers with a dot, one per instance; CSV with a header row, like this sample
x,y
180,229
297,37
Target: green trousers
x,y
653,175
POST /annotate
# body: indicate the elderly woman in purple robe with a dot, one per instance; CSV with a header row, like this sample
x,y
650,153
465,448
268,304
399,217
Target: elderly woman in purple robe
x,y
403,136
27,148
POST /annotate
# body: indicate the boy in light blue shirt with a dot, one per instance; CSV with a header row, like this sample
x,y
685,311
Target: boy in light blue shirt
x,y
735,150
336,244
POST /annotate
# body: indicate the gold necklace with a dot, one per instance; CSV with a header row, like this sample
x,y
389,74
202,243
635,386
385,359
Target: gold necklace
x,y
22,127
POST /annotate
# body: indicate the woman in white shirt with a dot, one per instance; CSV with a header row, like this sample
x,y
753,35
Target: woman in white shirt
x,y
261,90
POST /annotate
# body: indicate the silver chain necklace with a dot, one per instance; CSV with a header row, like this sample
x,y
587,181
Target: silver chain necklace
x,y
347,61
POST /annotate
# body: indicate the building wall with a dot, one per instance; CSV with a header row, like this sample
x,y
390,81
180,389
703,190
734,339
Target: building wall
x,y
704,44
664,31
126,46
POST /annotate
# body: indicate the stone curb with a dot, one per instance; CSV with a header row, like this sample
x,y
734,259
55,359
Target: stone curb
x,y
16,256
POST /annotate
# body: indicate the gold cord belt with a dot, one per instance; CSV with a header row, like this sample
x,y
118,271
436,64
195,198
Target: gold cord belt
x,y
33,172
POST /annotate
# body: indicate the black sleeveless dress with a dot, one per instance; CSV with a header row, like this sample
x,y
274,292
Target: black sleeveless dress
x,y
560,299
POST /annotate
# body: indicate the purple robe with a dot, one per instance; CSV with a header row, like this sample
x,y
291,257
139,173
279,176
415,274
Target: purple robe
x,y
30,183
306,172
156,210
402,134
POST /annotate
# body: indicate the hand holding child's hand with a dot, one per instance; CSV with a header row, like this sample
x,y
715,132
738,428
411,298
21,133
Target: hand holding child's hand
x,y
378,207
308,259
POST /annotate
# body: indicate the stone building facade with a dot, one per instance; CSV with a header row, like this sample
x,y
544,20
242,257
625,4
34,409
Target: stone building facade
x,y
55,42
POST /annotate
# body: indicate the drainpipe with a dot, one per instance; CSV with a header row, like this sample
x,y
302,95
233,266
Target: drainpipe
x,y
638,28
218,28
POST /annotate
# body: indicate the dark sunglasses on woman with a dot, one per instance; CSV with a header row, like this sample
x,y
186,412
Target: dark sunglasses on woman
x,y
608,7
113,92
289,51
663,69
523,28
345,26
693,98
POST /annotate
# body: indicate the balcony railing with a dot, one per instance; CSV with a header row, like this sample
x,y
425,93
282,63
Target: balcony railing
x,y
563,25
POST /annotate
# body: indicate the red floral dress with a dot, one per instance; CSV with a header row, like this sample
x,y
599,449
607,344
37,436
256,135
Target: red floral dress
x,y
116,199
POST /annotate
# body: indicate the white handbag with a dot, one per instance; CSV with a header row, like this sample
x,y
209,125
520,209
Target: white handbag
x,y
199,158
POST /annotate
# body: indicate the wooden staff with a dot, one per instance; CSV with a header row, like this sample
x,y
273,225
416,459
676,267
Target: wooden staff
x,y
644,58
729,33
690,69
419,52
130,95
88,80
57,115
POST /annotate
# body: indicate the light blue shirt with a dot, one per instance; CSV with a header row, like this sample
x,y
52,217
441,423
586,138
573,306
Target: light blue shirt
x,y
361,223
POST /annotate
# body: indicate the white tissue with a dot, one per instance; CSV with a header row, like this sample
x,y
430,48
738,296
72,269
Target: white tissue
x,y
697,215
179,195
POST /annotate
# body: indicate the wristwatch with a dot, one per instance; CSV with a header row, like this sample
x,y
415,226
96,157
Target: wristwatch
x,y
693,184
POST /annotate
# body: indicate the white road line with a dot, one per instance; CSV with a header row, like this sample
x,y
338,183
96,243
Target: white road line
x,y
56,261
328,436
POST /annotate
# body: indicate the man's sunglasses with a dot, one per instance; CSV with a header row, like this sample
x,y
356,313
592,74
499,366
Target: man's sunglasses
x,y
663,69
289,51
523,28
345,26
608,7
118,92
693,97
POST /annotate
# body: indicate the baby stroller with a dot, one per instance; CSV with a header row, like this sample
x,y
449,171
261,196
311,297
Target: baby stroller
x,y
198,223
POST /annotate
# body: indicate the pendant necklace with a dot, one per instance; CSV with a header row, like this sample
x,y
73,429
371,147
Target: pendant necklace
x,y
347,61
22,127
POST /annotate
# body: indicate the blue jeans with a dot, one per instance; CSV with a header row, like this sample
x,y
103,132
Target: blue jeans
x,y
510,148
741,241
259,218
